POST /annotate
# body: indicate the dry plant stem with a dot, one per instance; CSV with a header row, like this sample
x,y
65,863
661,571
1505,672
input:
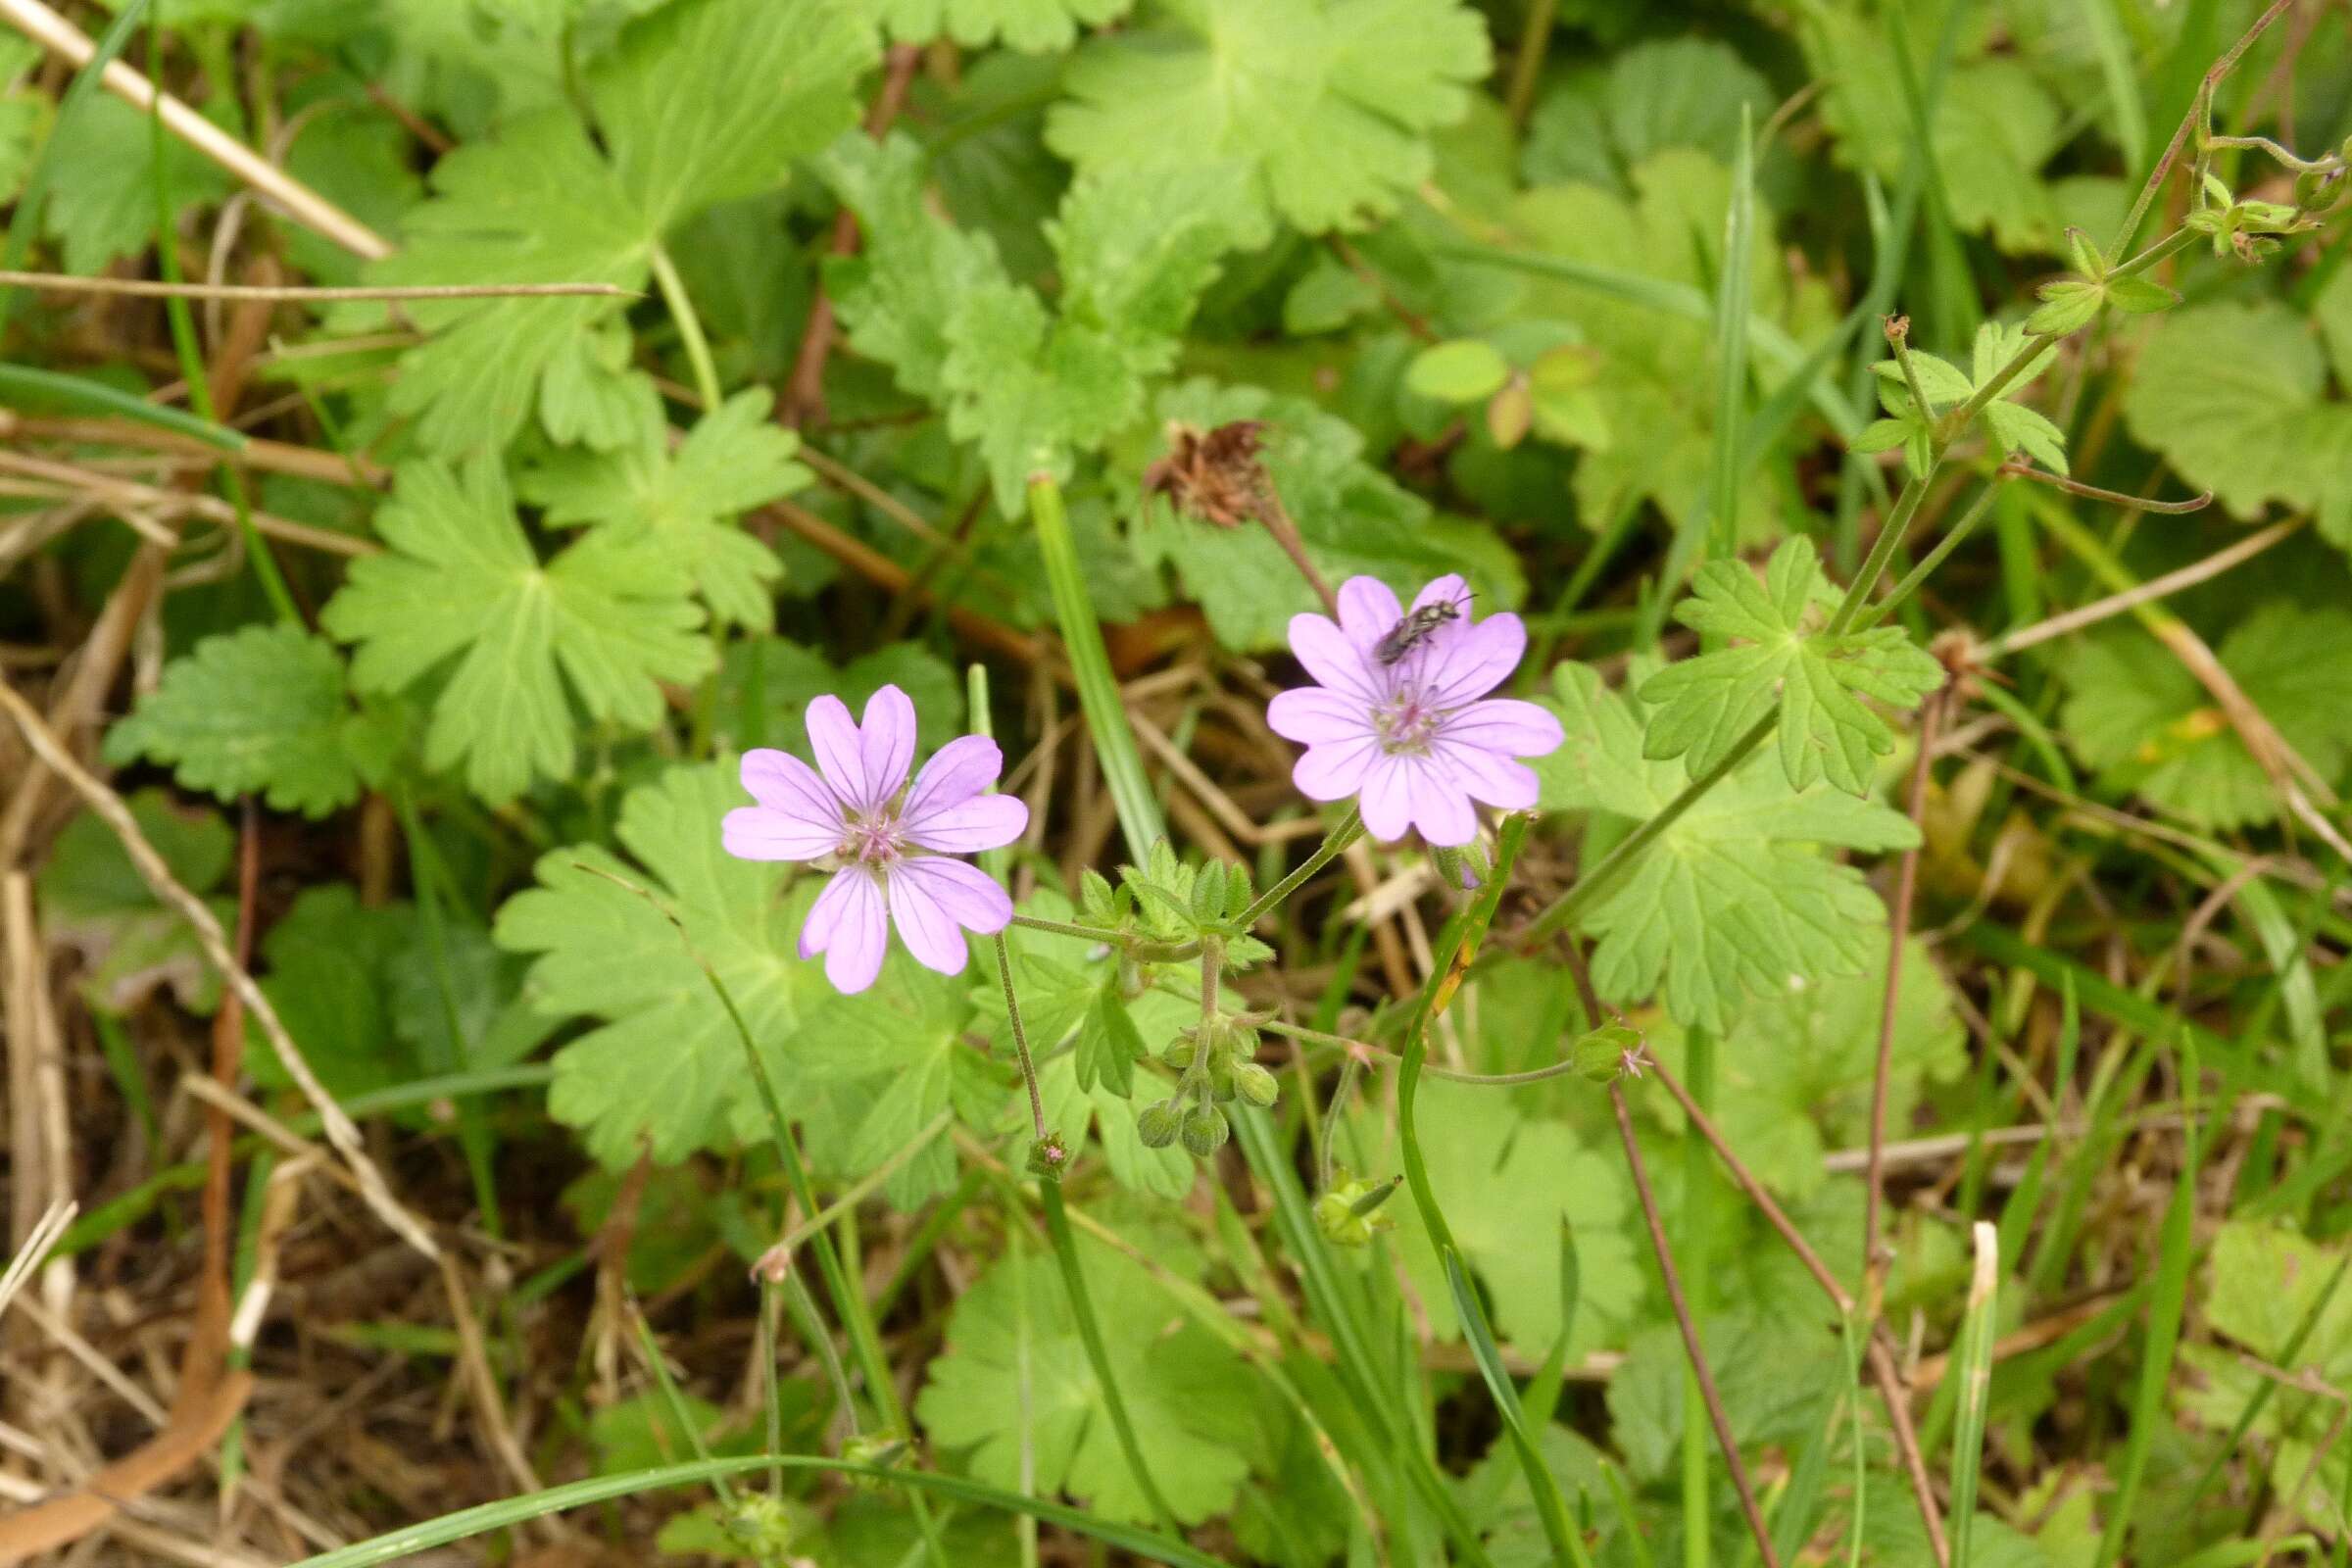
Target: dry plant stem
x,y
1723,1437
1906,888
305,206
271,457
2172,582
109,807
1882,1359
1276,519
131,494
149,289
879,569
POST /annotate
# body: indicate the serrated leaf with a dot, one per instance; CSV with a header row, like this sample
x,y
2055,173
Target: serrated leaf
x,y
323,969
260,712
2066,304
603,623
2236,397
1735,900
700,101
1789,659
1036,27
1326,102
2136,715
662,1070
1013,1347
2141,296
2017,429
683,504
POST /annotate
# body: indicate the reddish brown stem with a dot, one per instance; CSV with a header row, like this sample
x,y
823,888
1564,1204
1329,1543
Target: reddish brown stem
x,y
1906,889
805,392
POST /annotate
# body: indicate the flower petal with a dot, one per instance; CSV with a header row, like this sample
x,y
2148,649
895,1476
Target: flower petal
x,y
1335,770
1490,776
1442,807
1333,659
1315,715
850,926
983,822
960,770
1450,589
970,897
1473,661
924,924
886,743
1506,726
764,833
834,740
1368,609
1387,798
783,782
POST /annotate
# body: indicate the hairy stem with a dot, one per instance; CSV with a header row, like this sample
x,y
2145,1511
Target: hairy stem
x,y
1906,889
1350,829
1090,1334
1020,1040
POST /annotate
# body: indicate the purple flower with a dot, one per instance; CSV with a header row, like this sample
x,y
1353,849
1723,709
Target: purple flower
x,y
1400,716
892,842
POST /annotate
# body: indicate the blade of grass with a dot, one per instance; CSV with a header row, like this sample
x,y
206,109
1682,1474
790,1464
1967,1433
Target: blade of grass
x,y
2166,1307
23,381
471,1522
2234,1446
1975,1372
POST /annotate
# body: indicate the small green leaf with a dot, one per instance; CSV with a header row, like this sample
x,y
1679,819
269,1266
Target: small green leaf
x,y
1463,370
2141,296
2066,306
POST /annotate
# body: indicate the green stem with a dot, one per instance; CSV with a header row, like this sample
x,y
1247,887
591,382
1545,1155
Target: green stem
x,y
1527,66
1462,934
1883,548
1871,615
1090,662
1350,830
1697,1220
690,329
1090,1334
1020,1042
1071,928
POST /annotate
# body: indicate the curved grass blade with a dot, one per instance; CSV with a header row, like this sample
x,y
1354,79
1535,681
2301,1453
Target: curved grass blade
x,y
79,391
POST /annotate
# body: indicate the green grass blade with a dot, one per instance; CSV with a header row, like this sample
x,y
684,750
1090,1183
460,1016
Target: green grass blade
x,y
1732,292
1975,1372
469,1522
23,381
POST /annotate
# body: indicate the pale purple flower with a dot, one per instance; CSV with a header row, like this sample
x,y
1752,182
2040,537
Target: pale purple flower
x,y
1414,735
893,844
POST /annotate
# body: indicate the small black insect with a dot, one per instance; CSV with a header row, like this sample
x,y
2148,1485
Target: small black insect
x,y
1415,629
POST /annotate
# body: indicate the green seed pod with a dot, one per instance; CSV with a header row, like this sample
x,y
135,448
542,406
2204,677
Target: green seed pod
x,y
1156,1126
1606,1053
1255,1085
1204,1131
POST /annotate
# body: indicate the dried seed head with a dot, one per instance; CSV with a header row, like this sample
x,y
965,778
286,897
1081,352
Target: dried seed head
x,y
1214,475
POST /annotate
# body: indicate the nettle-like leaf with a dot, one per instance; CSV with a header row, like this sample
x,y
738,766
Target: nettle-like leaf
x,y
700,101
1034,26
608,619
1013,1347
1030,386
261,712
2013,427
684,504
1328,103
2069,304
1735,898
1786,658
1353,517
2237,396
2134,713
662,1070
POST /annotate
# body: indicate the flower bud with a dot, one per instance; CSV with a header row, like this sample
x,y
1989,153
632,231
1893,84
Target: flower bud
x,y
1606,1053
1156,1126
1221,1076
1255,1084
1348,1212
1177,1054
1204,1131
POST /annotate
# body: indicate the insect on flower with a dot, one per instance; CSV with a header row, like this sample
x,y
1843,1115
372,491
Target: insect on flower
x,y
1413,629
893,844
1400,714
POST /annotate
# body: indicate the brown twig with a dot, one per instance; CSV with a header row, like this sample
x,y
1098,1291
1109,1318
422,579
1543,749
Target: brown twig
x,y
803,400
1722,1422
2172,582
1906,889
878,569
150,289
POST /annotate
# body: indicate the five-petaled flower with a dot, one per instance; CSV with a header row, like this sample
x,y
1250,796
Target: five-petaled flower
x,y
893,843
1399,715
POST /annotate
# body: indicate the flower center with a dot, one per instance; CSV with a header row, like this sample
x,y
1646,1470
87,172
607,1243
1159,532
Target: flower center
x,y
873,842
1404,724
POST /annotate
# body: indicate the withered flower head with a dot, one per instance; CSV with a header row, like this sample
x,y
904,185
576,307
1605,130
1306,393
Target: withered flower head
x,y
1213,475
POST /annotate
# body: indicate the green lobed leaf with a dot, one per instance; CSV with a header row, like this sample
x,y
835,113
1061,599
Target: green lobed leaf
x,y
92,899
602,624
1735,898
1785,658
1036,27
